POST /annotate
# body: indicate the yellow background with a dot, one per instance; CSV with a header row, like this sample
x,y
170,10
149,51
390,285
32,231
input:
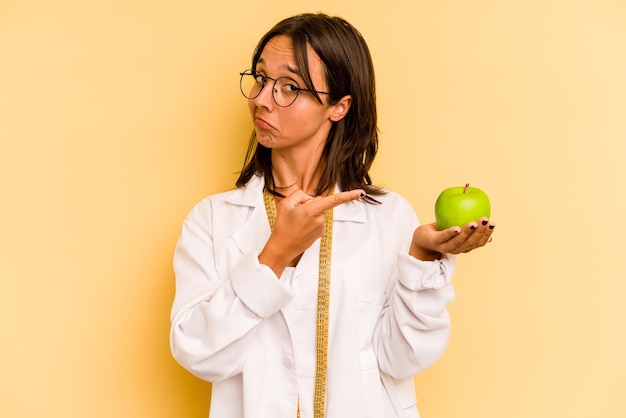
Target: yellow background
x,y
117,116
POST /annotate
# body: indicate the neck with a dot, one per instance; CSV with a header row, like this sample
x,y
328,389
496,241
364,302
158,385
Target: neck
x,y
291,174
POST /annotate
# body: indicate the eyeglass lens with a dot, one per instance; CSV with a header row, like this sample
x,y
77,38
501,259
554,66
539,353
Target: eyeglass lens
x,y
284,89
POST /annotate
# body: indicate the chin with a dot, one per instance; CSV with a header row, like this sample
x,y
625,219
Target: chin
x,y
266,140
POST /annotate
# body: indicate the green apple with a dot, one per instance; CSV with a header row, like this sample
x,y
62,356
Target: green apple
x,y
458,206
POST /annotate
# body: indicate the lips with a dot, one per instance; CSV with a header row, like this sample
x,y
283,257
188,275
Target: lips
x,y
262,123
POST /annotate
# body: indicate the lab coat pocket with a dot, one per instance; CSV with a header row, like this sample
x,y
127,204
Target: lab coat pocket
x,y
370,306
370,298
368,360
371,385
406,394
401,393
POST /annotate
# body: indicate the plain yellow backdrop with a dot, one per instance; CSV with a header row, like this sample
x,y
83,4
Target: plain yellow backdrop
x,y
117,116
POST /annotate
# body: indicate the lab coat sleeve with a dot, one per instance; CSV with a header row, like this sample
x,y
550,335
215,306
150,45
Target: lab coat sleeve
x,y
214,318
414,330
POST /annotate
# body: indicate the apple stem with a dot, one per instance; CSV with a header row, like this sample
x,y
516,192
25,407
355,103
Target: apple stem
x,y
466,186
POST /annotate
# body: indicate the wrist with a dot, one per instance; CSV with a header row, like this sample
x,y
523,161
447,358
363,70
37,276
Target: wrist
x,y
424,254
275,259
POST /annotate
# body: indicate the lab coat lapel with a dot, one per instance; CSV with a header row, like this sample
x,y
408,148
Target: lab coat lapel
x,y
347,212
351,212
254,232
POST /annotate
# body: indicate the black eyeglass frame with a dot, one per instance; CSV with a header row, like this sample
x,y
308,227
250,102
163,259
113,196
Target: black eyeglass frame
x,y
253,73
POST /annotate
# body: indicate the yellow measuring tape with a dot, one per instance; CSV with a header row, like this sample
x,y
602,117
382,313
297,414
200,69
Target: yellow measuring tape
x,y
323,304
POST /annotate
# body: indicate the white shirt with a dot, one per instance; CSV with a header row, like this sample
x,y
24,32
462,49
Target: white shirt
x,y
234,323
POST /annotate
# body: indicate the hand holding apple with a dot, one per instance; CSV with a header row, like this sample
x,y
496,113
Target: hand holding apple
x,y
458,206
463,224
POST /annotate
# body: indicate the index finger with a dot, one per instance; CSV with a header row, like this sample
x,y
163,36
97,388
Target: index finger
x,y
323,204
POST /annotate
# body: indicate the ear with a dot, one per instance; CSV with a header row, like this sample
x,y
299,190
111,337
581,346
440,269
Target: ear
x,y
340,109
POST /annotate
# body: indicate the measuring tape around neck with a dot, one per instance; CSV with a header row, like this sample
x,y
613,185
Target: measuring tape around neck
x,y
323,303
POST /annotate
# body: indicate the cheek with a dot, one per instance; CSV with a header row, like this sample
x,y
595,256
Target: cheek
x,y
309,120
251,107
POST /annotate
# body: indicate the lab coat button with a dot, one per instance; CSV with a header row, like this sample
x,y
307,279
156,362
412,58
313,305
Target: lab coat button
x,y
288,362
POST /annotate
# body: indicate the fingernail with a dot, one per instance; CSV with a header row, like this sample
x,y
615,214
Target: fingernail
x,y
485,222
491,226
473,227
362,195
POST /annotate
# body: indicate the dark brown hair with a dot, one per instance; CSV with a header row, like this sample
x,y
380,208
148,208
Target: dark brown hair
x,y
352,142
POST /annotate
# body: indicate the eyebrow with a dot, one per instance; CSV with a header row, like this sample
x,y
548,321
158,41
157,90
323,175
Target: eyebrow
x,y
284,66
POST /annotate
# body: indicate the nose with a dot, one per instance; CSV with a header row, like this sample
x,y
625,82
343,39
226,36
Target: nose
x,y
266,96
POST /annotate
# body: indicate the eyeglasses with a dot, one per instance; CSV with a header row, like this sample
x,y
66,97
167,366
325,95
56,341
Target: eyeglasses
x,y
284,91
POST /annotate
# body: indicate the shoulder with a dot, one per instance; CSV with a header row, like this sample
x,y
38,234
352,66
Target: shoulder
x,y
392,209
392,201
247,196
212,200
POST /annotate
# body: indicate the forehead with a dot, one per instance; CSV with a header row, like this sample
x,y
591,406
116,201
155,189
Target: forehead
x,y
278,52
279,55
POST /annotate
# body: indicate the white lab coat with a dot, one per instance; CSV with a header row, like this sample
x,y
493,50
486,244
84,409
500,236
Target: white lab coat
x,y
234,323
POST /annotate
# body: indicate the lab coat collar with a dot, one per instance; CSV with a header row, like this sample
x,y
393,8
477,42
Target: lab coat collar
x,y
252,196
252,235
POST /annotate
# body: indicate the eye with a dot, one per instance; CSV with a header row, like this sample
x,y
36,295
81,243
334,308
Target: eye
x,y
288,86
258,77
291,88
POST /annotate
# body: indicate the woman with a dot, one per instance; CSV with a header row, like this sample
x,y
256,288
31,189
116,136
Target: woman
x,y
307,291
